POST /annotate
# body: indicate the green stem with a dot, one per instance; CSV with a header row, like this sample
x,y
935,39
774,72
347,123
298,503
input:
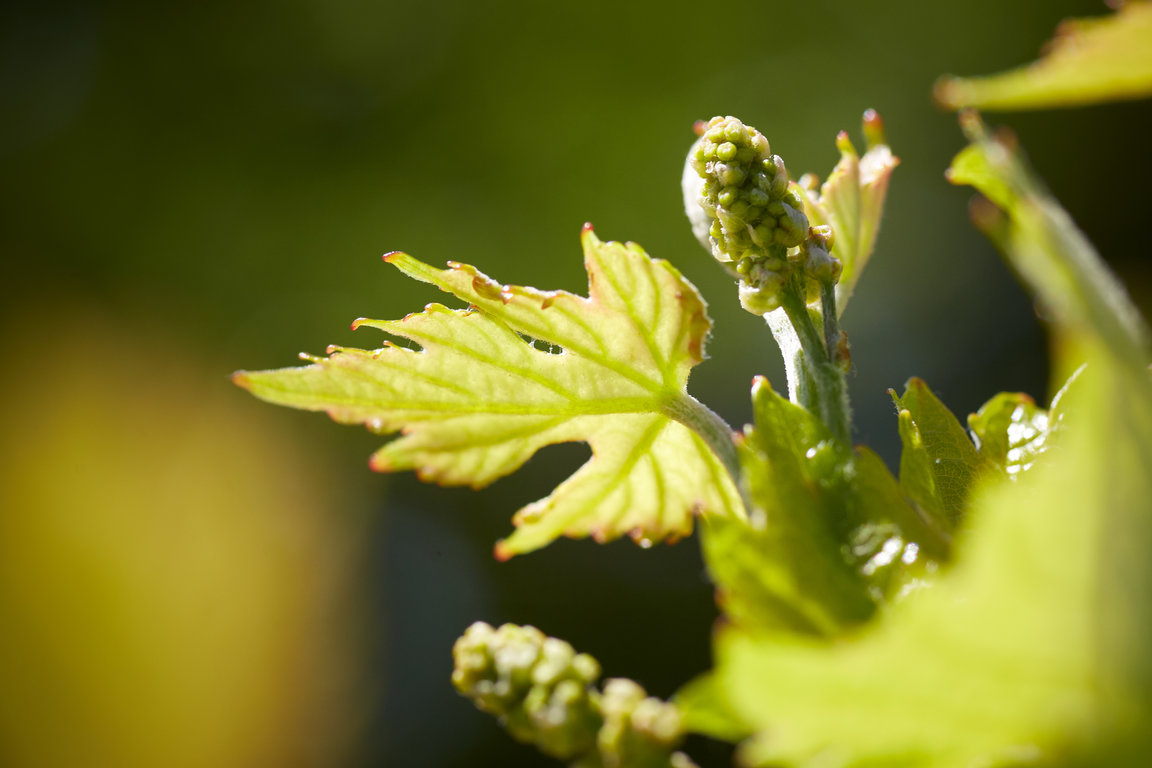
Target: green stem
x,y
713,430
831,321
831,395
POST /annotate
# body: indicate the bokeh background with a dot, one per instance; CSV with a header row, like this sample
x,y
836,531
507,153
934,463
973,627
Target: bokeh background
x,y
191,578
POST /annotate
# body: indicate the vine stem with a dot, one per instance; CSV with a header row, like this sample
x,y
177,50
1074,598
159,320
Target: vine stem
x,y
715,433
831,321
831,391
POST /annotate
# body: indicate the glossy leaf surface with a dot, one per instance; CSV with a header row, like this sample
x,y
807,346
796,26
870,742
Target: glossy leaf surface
x,y
831,536
939,462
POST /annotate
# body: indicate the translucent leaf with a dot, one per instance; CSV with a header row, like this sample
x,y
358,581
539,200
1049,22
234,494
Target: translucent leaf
x,y
1094,320
1026,650
1033,647
1090,60
1054,259
830,535
851,200
939,462
522,369
1012,431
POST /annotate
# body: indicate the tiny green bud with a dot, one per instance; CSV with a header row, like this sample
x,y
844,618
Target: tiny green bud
x,y
823,234
794,226
726,151
730,175
764,296
780,177
762,234
792,198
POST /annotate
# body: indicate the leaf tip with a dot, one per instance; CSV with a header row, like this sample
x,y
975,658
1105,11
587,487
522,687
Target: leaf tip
x,y
392,256
502,551
873,124
588,237
241,379
945,92
844,143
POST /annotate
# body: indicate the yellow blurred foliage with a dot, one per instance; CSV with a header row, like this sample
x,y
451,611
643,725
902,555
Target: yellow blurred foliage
x,y
174,569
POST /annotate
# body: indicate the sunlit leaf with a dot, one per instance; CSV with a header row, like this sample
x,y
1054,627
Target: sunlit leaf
x,y
1054,259
1090,60
939,462
1001,660
830,536
522,369
851,200
1012,431
1100,333
1032,648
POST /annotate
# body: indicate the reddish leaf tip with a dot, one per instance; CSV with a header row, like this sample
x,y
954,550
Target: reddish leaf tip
x,y
502,552
586,228
358,322
240,379
699,127
391,256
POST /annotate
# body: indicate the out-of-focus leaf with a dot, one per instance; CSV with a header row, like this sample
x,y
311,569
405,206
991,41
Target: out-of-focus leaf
x,y
1089,60
180,576
704,709
851,200
1005,658
830,536
939,461
1054,259
1094,320
482,396
1033,647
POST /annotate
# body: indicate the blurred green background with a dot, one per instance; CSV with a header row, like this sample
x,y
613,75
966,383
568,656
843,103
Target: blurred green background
x,y
191,578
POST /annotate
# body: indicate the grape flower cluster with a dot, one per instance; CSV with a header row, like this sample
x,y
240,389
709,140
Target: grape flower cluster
x,y
545,694
754,217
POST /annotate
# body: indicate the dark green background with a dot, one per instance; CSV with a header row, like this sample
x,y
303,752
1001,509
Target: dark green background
x,y
228,174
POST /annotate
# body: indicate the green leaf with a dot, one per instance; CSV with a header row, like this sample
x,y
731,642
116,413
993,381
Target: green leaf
x,y
522,369
830,535
704,709
1093,320
851,200
939,462
1012,431
1032,648
1090,60
1054,259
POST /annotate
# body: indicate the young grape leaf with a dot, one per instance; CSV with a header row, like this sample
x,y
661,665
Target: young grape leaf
x,y
480,397
1028,648
1033,647
1090,60
830,535
1053,258
939,462
851,200
1012,432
